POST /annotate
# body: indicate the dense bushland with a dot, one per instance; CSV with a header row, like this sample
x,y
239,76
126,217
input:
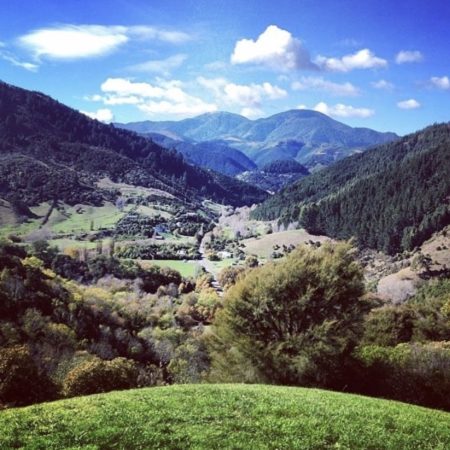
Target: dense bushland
x,y
302,320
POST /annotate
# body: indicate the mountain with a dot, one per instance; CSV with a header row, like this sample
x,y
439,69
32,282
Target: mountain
x,y
49,152
391,198
275,175
307,136
213,155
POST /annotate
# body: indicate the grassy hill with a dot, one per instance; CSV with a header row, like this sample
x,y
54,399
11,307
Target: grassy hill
x,y
224,416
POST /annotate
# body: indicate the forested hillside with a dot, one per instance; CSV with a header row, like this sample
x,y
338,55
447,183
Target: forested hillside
x,y
48,150
390,198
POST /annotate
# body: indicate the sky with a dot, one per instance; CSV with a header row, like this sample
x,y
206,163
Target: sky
x,y
379,64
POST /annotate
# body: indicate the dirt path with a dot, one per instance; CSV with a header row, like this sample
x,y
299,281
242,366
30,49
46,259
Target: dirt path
x,y
209,267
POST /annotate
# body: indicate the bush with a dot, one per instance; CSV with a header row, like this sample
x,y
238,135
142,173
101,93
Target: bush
x,y
96,376
292,322
415,373
20,381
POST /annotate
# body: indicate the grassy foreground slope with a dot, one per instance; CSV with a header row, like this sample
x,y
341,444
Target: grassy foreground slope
x,y
225,417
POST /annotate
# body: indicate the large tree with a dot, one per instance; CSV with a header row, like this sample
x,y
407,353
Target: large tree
x,y
292,322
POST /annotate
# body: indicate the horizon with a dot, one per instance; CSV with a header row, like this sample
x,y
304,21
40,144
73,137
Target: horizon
x,y
130,61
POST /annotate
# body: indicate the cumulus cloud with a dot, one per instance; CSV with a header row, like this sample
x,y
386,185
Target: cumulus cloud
x,y
165,97
440,82
408,56
320,84
250,96
161,66
409,104
274,48
341,110
362,59
102,115
382,84
69,42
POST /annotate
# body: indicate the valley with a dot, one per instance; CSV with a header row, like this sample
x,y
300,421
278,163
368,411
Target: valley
x,y
125,264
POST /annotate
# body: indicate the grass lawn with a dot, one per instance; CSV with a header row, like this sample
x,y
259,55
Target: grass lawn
x,y
219,265
100,216
186,269
224,417
64,243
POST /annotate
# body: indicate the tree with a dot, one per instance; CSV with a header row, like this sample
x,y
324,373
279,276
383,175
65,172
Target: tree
x,y
292,322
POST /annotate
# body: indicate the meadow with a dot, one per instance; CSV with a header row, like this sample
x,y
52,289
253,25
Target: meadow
x,y
224,417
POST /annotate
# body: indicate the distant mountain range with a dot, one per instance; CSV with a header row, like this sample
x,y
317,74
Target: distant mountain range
x,y
391,198
213,155
50,152
308,137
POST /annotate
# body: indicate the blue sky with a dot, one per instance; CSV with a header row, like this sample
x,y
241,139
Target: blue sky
x,y
379,64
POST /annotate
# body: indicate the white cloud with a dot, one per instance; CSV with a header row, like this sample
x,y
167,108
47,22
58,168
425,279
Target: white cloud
x,y
16,62
74,41
409,104
251,113
252,94
247,95
166,97
102,115
440,82
341,110
274,48
161,66
382,84
68,42
362,59
320,84
408,56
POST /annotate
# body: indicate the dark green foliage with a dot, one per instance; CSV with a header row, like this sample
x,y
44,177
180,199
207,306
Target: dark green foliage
x,y
292,322
415,373
136,225
391,198
20,381
285,166
48,150
169,250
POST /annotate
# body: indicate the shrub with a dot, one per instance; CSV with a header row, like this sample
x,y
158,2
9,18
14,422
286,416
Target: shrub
x,y
96,376
292,322
415,373
20,381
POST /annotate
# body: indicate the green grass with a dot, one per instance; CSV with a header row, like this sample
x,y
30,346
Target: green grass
x,y
101,217
222,264
186,269
224,417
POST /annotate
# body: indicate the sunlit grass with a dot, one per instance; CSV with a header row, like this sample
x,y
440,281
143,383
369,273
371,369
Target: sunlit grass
x,y
225,417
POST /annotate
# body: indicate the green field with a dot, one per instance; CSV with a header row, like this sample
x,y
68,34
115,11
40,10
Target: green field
x,y
263,246
186,269
224,417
